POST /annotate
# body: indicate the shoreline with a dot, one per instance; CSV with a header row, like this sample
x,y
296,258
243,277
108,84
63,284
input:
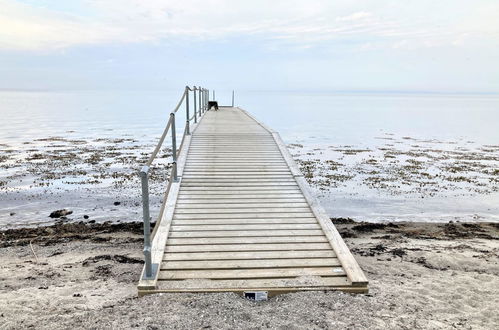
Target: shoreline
x,y
422,275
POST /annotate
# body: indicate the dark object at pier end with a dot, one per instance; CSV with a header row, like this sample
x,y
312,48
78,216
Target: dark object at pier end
x,y
213,104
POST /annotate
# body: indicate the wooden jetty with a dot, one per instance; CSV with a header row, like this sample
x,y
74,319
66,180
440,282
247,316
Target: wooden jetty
x,y
240,217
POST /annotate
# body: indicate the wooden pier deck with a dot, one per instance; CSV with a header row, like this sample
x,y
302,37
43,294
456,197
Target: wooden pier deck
x,y
241,218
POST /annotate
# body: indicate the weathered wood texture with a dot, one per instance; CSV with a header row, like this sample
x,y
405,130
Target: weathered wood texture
x,y
244,219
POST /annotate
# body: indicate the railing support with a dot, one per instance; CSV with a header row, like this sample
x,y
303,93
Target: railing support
x,y
199,105
203,96
232,98
195,106
174,149
187,114
144,177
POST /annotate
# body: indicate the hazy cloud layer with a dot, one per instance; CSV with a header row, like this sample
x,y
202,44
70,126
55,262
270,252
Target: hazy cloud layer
x,y
446,45
49,25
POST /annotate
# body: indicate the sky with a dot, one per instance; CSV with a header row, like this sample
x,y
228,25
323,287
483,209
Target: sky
x,y
313,45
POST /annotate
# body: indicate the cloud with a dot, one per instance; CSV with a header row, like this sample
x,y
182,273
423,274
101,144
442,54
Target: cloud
x,y
300,24
354,17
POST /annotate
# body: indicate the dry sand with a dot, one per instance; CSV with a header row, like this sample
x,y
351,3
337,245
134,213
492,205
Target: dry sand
x,y
422,276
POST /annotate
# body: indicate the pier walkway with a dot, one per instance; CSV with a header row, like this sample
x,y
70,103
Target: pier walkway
x,y
240,217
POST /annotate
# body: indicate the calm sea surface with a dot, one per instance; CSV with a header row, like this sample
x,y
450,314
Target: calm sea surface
x,y
316,121
323,118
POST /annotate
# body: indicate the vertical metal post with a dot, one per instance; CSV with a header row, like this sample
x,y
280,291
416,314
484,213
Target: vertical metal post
x,y
200,109
195,106
174,149
204,100
214,95
187,114
232,98
144,172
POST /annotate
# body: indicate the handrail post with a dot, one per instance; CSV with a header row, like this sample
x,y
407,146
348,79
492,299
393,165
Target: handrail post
x,y
174,149
195,107
187,128
203,95
233,98
144,177
200,110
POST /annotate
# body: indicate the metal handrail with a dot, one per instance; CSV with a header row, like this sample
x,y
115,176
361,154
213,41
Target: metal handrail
x,y
202,107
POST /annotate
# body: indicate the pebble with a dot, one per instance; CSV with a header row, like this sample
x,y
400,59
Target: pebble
x,y
60,213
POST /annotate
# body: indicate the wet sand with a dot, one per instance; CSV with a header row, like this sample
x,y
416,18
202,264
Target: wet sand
x,y
422,276
401,178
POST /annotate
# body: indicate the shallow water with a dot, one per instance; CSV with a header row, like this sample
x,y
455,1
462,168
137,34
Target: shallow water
x,y
399,157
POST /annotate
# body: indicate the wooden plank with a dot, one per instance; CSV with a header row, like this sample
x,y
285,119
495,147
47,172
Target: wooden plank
x,y
251,273
220,200
235,170
228,227
244,233
239,264
240,185
237,175
291,221
253,284
247,240
271,292
253,255
245,201
236,156
232,210
241,152
235,149
262,215
237,162
244,181
223,205
246,247
243,190
187,198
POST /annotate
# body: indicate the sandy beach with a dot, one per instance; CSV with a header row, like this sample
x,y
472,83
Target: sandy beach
x,y
422,276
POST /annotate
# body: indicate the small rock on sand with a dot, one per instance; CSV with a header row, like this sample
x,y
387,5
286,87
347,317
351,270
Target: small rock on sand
x,y
60,213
